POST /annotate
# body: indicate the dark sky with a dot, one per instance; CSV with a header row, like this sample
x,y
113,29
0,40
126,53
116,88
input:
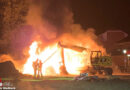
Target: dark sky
x,y
102,14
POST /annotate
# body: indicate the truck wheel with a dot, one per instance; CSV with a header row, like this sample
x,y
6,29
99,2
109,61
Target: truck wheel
x,y
108,71
100,72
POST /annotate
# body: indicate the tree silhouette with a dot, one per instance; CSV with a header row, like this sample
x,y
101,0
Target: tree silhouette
x,y
12,16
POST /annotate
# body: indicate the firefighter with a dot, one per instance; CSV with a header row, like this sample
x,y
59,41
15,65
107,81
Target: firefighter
x,y
35,67
40,68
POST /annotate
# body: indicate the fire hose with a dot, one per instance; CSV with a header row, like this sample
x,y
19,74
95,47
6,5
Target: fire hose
x,y
50,56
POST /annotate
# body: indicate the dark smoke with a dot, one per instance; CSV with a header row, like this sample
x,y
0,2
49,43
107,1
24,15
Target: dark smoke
x,y
53,12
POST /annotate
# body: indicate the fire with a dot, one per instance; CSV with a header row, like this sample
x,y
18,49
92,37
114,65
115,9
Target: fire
x,y
52,63
52,60
76,61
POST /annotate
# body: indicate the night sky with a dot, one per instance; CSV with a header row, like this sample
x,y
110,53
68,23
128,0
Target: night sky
x,y
102,14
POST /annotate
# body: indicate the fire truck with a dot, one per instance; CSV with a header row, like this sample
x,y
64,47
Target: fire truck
x,y
100,64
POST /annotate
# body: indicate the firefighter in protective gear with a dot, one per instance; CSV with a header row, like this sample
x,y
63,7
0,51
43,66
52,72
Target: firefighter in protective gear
x,y
35,67
40,68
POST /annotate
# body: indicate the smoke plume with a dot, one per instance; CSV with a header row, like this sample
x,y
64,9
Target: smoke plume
x,y
48,17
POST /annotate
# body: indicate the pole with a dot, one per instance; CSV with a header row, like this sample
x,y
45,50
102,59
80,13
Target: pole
x,y
63,68
125,57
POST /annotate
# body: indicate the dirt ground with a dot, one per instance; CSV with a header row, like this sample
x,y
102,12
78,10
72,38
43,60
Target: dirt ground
x,y
73,85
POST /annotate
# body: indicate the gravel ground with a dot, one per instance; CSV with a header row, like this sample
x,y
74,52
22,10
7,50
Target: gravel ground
x,y
73,85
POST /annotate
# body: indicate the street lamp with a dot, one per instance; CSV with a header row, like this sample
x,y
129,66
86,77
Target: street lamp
x,y
124,51
125,59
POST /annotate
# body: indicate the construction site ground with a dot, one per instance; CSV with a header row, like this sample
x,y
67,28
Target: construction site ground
x,y
115,82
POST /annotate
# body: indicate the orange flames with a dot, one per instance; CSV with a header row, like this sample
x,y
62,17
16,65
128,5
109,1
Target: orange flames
x,y
52,60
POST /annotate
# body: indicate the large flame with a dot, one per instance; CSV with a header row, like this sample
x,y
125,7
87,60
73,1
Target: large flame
x,y
51,58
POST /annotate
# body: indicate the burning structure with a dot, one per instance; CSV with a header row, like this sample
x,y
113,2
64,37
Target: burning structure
x,y
60,59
